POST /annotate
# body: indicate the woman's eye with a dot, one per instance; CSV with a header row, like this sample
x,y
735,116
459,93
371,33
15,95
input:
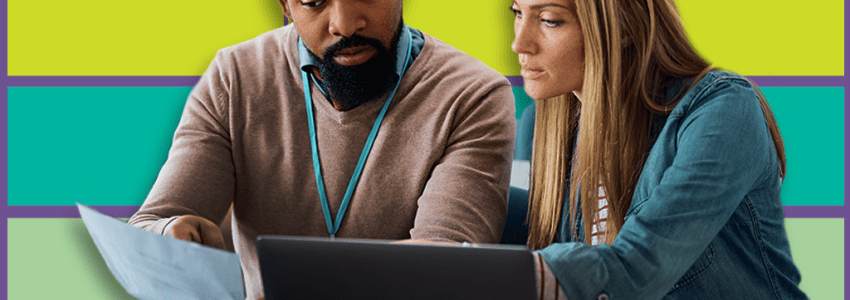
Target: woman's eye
x,y
551,23
312,4
516,12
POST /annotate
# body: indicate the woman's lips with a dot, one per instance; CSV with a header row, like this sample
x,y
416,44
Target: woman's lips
x,y
355,55
531,74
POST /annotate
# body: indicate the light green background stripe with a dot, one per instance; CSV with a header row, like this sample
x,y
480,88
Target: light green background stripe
x,y
162,37
98,146
105,146
817,246
60,253
57,259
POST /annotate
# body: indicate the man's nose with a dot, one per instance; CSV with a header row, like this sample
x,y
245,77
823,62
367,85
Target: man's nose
x,y
345,18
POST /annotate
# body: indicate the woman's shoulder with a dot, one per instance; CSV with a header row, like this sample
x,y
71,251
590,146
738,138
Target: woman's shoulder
x,y
718,78
722,88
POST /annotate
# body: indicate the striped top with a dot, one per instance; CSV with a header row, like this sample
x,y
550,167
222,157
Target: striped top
x,y
597,231
548,285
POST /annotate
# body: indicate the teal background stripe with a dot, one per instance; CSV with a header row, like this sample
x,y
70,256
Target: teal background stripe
x,y
105,145
521,99
99,146
812,124
811,120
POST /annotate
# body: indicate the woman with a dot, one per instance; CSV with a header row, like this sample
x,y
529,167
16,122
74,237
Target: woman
x,y
653,175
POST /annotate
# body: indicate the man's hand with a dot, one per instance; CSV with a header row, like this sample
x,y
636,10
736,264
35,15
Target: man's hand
x,y
196,229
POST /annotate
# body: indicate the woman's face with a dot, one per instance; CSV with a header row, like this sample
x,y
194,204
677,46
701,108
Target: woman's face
x,y
549,42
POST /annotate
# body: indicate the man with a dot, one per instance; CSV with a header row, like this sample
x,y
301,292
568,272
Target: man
x,y
438,168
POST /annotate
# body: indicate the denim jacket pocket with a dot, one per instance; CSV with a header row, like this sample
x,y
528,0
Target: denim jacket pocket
x,y
700,265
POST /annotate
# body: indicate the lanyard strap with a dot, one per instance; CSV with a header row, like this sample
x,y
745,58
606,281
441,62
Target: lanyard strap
x,y
333,227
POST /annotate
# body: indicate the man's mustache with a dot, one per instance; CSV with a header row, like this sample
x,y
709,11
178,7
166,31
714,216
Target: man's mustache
x,y
353,41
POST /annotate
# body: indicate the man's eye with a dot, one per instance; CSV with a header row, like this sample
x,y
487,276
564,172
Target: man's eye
x,y
312,4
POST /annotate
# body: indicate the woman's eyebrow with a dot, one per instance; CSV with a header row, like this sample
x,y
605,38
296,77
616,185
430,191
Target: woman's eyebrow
x,y
539,6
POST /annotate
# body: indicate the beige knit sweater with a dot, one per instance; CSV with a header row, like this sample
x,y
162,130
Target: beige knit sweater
x,y
439,168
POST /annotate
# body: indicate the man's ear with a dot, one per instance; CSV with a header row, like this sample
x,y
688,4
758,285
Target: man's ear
x,y
285,8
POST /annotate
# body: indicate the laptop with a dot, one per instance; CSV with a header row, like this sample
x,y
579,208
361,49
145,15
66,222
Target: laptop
x,y
323,268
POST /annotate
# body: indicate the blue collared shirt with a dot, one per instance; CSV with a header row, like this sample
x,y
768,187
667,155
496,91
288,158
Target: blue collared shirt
x,y
307,61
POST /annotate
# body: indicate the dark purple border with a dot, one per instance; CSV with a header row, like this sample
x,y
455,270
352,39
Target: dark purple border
x,y
126,211
846,180
4,179
74,81
181,81
4,263
115,211
765,81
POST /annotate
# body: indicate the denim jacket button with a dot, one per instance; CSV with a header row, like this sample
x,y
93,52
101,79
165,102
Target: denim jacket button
x,y
602,297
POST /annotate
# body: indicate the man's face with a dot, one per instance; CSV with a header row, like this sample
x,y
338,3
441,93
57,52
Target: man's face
x,y
353,41
322,23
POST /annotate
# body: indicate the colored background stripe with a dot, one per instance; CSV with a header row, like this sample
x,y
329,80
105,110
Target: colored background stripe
x,y
812,124
105,37
79,272
775,37
481,28
811,120
38,271
820,260
162,37
158,50
105,145
125,211
99,146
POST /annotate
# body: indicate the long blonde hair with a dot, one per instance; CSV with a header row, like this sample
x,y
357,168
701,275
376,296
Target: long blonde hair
x,y
631,50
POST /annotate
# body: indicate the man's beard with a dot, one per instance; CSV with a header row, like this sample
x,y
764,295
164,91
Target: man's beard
x,y
351,86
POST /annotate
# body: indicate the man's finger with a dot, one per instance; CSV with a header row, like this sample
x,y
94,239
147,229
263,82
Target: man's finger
x,y
194,236
181,231
211,236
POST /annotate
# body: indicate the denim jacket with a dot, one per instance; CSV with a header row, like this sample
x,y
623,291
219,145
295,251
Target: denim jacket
x,y
705,220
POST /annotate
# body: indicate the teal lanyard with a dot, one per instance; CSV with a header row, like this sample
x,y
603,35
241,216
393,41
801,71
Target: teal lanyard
x,y
333,227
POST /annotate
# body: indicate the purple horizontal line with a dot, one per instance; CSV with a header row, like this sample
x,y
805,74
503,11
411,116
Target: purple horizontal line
x,y
133,81
14,211
764,81
816,211
800,81
516,81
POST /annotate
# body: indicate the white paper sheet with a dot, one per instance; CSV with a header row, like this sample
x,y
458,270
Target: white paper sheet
x,y
521,174
153,266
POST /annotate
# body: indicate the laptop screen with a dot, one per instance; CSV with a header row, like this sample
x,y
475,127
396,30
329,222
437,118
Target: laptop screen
x,y
323,268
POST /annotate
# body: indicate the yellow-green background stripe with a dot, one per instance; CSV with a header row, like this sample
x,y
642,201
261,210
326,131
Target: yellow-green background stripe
x,y
163,37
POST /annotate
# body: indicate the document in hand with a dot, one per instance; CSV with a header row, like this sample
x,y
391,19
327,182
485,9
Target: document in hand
x,y
153,266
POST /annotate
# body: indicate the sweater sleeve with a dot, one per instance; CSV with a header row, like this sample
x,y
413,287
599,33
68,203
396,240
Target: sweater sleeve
x,y
198,176
465,198
722,147
548,287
